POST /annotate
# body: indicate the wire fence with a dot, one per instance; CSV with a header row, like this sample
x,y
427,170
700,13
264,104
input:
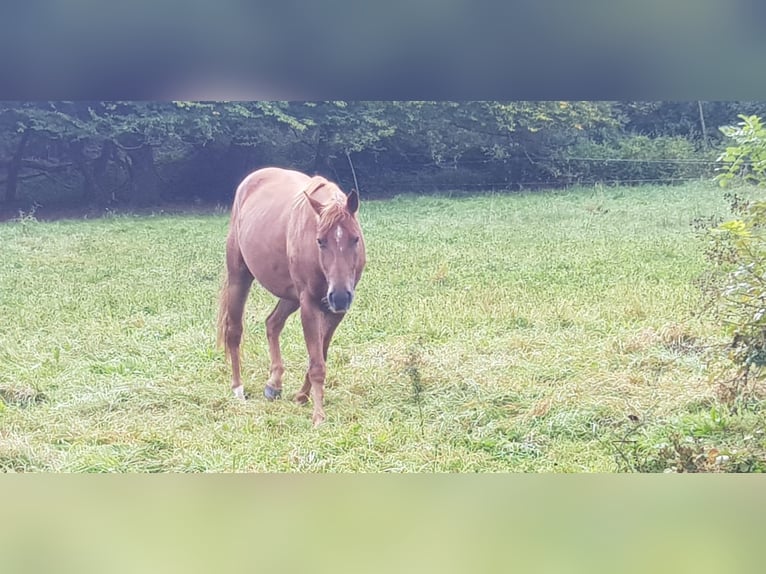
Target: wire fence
x,y
390,173
556,172
439,162
409,186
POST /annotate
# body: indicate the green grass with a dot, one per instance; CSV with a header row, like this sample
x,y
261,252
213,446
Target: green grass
x,y
526,332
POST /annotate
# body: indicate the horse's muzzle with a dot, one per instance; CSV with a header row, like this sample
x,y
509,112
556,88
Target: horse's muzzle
x,y
339,301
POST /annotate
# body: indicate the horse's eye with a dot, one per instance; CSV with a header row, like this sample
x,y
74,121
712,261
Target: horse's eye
x,y
355,240
321,242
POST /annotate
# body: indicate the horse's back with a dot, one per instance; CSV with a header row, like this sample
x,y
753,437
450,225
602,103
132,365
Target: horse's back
x,y
260,218
270,185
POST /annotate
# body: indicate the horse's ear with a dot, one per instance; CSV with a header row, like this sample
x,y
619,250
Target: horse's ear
x,y
352,201
315,205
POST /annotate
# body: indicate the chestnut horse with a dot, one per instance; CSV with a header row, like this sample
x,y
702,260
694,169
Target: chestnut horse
x,y
300,238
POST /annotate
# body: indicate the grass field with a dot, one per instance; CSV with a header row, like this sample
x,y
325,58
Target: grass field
x,y
526,332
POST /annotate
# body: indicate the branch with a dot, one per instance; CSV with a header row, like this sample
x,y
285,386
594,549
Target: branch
x,y
38,164
353,171
130,148
24,177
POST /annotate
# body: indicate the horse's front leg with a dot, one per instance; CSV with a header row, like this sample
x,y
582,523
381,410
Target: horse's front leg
x,y
318,328
329,322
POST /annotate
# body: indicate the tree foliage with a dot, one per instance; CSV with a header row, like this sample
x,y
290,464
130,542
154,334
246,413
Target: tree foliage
x,y
143,152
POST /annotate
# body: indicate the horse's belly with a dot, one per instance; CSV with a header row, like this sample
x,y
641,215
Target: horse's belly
x,y
276,280
266,257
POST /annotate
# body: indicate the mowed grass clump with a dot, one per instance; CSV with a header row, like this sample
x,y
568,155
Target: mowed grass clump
x,y
524,332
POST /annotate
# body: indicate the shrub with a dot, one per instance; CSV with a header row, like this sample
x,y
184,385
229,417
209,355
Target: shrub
x,y
738,250
746,160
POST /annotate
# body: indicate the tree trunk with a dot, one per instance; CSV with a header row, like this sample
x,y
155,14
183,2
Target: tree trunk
x,y
145,184
90,191
319,155
704,128
100,163
14,167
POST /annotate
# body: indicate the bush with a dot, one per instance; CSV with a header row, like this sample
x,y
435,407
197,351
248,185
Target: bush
x,y
738,249
746,160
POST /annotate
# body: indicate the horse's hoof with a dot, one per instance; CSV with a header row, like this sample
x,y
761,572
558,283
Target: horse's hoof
x,y
271,393
239,393
318,420
301,399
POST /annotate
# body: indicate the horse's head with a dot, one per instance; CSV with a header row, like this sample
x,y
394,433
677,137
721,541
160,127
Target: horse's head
x,y
341,249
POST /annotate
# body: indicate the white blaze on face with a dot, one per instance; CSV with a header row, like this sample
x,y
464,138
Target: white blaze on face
x,y
339,236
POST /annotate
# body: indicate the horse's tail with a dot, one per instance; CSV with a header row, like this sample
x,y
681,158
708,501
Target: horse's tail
x,y
231,244
223,316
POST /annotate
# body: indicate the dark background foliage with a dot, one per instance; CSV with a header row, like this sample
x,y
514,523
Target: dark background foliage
x,y
99,153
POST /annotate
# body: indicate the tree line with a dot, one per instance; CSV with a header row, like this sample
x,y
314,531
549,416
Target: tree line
x,y
143,153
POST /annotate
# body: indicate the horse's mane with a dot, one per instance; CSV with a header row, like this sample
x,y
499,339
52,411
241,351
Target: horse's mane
x,y
333,212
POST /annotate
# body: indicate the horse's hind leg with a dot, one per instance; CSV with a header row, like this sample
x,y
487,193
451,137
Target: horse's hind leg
x,y
274,325
238,282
